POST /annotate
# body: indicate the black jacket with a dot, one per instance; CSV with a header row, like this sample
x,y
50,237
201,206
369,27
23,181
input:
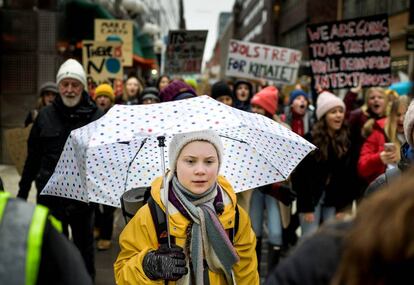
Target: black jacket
x,y
48,137
312,178
61,262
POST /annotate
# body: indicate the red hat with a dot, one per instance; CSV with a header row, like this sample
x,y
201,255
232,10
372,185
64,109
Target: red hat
x,y
267,99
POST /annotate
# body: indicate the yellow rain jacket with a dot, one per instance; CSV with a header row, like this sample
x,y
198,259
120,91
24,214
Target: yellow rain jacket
x,y
139,237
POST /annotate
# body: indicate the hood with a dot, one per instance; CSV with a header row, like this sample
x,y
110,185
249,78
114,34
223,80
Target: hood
x,y
247,102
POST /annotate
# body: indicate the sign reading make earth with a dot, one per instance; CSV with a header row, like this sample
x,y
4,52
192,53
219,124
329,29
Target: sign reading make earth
x,y
343,53
185,51
116,31
258,61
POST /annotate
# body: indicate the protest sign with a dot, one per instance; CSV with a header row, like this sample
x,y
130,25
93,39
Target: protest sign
x,y
116,30
184,53
16,144
342,53
102,63
258,61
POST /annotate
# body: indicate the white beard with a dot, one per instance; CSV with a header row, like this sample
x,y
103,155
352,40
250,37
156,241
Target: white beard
x,y
71,101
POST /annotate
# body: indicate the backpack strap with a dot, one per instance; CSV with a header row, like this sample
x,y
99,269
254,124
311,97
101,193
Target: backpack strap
x,y
160,222
233,231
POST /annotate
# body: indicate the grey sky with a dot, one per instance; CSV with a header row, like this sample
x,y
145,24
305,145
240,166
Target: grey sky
x,y
203,15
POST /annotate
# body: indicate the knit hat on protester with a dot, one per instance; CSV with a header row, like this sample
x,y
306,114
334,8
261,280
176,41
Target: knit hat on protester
x,y
296,93
149,93
220,88
179,141
48,86
72,69
267,99
176,88
325,102
409,124
105,90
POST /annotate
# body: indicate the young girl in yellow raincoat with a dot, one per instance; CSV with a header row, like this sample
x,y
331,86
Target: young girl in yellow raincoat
x,y
202,209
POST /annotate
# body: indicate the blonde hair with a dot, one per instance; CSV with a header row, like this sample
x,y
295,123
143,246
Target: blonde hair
x,y
390,127
371,90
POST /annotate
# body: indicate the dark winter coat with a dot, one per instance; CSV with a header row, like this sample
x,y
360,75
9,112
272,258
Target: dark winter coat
x,y
314,177
48,137
357,119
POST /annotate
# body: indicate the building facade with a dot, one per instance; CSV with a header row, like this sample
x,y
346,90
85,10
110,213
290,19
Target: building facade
x,y
283,23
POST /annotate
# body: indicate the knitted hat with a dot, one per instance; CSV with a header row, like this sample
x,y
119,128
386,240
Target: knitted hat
x,y
150,93
105,90
71,69
325,102
179,141
174,89
296,93
267,99
220,88
48,86
409,124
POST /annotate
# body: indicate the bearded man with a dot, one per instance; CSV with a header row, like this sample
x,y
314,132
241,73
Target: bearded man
x,y
71,109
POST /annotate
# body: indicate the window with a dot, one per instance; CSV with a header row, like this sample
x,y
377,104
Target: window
x,y
361,8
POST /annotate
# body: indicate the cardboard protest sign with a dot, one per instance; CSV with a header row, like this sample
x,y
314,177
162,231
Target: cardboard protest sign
x,y
258,61
102,63
184,53
343,53
16,144
116,30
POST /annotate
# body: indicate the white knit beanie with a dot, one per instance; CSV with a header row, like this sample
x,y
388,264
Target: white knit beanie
x,y
179,141
325,102
72,69
409,124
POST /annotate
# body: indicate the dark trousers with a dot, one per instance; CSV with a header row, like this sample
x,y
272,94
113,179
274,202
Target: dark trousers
x,y
80,217
104,220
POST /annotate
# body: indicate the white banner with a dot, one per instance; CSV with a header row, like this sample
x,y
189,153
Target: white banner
x,y
258,61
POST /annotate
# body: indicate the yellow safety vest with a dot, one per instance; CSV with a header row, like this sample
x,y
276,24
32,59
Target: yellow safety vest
x,y
21,234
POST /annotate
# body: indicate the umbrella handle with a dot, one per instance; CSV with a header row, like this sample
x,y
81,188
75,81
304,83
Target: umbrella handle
x,y
161,144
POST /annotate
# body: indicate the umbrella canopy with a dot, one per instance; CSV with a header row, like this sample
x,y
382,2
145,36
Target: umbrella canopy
x,y
118,152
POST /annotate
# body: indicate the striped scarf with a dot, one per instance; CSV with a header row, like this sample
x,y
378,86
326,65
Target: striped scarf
x,y
209,240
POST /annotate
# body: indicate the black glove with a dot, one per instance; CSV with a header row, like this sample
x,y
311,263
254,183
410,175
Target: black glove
x,y
165,263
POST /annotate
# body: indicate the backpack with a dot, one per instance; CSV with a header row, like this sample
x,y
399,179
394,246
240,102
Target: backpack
x,y
131,201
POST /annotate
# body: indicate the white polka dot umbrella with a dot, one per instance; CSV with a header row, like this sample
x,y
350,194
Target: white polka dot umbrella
x,y
118,152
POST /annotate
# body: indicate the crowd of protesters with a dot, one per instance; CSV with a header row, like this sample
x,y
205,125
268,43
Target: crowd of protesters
x,y
356,144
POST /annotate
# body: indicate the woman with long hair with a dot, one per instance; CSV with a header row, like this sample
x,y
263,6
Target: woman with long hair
x,y
385,136
133,87
321,180
376,101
